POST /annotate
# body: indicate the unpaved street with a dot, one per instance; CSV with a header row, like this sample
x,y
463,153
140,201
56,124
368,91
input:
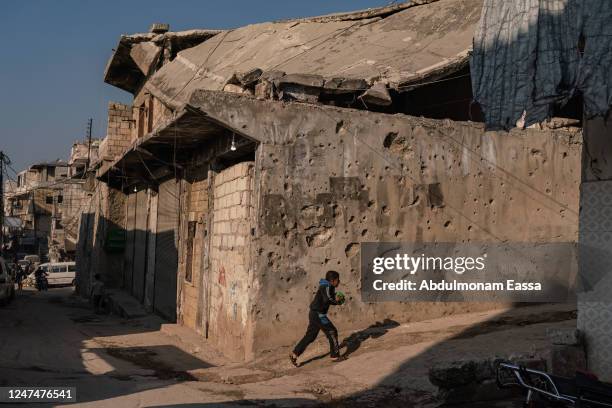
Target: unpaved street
x,y
49,339
45,342
53,339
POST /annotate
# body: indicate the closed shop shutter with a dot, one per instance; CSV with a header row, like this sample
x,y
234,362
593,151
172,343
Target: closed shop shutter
x,y
166,253
140,245
130,224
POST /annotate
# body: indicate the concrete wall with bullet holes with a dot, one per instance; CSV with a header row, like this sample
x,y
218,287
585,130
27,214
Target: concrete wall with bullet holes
x,y
328,179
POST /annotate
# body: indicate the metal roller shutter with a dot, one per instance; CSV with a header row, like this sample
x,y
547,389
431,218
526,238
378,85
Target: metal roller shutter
x,y
166,252
130,223
140,245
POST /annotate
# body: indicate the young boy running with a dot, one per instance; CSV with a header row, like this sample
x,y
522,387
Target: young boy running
x,y
318,320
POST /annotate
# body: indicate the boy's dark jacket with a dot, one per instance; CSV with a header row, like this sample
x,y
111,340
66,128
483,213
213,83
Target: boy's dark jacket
x,y
326,295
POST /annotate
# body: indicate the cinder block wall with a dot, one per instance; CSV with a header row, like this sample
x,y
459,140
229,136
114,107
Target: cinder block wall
x,y
118,131
328,179
190,311
231,273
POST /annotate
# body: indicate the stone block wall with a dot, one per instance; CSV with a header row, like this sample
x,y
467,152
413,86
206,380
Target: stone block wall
x,y
230,273
191,313
118,131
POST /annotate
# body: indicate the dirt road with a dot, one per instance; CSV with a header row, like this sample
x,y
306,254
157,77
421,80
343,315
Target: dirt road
x,y
54,339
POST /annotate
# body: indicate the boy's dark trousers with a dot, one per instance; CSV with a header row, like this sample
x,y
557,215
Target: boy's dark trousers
x,y
316,323
97,302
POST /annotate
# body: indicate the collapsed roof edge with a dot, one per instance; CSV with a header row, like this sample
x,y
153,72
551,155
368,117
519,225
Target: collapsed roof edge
x,y
383,12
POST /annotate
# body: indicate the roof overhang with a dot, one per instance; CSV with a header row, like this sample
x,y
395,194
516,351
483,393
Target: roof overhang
x,y
168,149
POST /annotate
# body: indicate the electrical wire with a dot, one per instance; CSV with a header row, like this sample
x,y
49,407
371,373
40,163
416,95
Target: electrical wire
x,y
201,65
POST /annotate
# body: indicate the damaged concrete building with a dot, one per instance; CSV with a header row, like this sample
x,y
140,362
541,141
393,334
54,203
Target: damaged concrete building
x,y
35,201
254,160
48,199
71,200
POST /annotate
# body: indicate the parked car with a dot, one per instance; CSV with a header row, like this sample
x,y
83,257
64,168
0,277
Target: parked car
x,y
7,284
58,273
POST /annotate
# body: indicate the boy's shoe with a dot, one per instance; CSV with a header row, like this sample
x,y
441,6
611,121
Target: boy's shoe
x,y
338,359
293,360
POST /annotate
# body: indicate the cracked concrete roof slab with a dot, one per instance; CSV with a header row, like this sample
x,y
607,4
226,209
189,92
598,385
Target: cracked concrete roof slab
x,y
400,49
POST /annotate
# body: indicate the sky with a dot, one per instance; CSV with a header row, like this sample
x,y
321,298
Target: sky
x,y
54,53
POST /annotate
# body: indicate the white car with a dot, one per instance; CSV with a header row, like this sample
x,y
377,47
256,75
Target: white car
x,y
7,285
60,273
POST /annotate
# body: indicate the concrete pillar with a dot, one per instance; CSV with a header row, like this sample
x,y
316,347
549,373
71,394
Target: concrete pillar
x,y
151,245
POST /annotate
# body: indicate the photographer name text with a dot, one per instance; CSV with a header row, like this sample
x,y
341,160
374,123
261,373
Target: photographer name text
x,y
454,285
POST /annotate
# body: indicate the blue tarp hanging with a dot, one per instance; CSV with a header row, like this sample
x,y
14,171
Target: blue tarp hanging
x,y
530,55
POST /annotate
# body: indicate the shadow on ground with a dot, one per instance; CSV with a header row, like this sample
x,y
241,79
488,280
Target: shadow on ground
x,y
47,337
400,388
354,341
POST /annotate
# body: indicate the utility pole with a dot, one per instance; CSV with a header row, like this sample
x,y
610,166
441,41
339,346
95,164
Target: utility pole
x,y
89,126
4,161
1,202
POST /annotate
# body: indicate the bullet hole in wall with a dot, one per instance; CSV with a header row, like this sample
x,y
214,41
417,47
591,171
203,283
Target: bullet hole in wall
x,y
339,125
388,141
351,249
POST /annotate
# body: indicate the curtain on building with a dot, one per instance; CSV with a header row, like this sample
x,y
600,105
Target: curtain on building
x,y
530,55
